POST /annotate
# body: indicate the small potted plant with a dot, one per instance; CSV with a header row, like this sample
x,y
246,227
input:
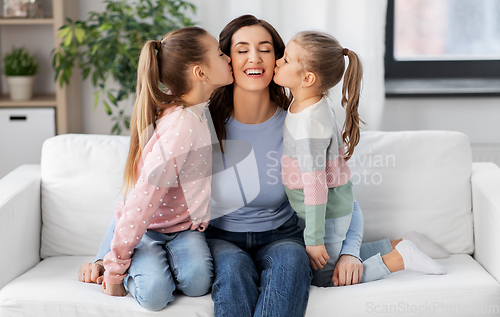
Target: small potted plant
x,y
20,67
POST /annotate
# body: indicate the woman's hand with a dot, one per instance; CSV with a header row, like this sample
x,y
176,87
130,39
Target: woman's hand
x,y
91,272
317,256
113,289
348,271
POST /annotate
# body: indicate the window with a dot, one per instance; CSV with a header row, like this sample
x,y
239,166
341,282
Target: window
x,y
456,40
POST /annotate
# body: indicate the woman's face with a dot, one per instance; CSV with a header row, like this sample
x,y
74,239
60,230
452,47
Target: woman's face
x,y
252,55
218,69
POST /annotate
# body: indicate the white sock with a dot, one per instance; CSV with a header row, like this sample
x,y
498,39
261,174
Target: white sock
x,y
426,245
416,260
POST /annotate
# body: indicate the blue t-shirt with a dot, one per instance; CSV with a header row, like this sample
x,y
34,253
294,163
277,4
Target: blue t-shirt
x,y
247,188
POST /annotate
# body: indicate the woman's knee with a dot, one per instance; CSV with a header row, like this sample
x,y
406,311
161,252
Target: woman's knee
x,y
289,264
291,255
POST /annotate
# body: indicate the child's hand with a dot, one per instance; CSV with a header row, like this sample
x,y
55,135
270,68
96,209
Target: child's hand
x,y
113,289
317,256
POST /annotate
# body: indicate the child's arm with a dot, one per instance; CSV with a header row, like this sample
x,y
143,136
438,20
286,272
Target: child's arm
x,y
310,151
349,269
311,154
354,236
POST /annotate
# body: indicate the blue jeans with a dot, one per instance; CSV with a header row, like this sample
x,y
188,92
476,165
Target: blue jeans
x,y
275,260
335,233
371,254
162,263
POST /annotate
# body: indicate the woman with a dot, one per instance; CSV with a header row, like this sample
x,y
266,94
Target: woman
x,y
256,243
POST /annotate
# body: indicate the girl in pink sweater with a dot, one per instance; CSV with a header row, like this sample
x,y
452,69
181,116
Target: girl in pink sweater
x,y
158,244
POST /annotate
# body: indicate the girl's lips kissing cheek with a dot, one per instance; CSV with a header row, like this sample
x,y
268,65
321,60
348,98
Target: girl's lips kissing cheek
x,y
254,72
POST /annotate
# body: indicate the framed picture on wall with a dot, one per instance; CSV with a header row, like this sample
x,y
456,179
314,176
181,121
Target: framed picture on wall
x,y
15,8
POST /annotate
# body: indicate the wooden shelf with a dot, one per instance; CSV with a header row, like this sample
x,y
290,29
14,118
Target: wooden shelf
x,y
65,100
23,21
41,100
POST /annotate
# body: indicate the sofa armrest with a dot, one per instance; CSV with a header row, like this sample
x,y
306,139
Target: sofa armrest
x,y
486,209
20,222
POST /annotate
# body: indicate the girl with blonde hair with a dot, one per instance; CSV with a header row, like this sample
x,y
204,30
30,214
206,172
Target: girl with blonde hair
x,y
315,167
158,245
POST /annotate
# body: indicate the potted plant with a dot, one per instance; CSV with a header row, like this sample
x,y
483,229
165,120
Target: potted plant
x,y
20,68
107,46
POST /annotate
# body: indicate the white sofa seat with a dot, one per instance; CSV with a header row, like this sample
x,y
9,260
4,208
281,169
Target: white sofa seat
x,y
431,186
52,288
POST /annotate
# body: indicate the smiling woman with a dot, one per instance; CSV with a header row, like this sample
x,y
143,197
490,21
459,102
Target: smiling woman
x,y
257,244
269,47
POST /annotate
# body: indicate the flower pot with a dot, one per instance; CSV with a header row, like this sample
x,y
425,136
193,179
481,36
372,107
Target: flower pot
x,y
20,87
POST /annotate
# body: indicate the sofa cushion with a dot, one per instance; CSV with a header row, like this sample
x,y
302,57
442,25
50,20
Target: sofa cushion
x,y
467,290
415,180
411,180
52,289
81,178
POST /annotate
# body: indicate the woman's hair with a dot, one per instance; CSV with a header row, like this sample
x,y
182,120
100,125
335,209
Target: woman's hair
x,y
166,62
221,101
324,56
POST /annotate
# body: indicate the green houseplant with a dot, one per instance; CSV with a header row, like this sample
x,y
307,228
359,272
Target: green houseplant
x,y
107,45
20,67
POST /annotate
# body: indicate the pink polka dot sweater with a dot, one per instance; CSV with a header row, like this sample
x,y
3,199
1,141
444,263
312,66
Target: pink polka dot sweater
x,y
172,191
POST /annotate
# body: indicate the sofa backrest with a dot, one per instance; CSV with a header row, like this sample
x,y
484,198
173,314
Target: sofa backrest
x,y
415,180
403,181
81,180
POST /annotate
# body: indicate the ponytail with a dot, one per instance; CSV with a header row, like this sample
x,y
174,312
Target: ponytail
x,y
351,91
164,62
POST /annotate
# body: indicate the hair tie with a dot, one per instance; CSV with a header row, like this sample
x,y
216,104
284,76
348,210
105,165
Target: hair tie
x,y
158,45
346,51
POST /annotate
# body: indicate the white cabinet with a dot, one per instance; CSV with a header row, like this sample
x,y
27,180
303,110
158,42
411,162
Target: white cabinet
x,y
22,133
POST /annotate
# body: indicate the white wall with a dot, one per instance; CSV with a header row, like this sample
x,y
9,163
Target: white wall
x,y
478,117
96,122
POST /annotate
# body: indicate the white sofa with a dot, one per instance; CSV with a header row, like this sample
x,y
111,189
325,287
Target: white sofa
x,y
53,217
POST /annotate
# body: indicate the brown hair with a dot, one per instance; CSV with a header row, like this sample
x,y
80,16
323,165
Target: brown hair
x,y
166,62
324,56
221,102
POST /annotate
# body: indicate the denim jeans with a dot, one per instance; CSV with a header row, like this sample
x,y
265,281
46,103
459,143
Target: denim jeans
x,y
162,263
273,260
371,254
335,233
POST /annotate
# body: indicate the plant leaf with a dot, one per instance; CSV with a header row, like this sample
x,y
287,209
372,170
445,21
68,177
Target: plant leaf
x,y
80,35
107,108
64,31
